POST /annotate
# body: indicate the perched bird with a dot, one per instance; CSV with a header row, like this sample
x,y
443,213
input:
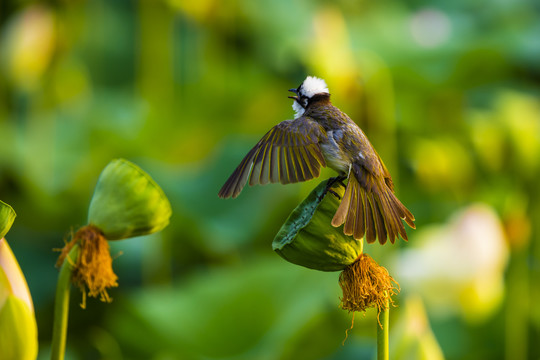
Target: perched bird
x,y
322,135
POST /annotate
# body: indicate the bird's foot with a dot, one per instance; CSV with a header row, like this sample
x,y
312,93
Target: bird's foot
x,y
335,180
334,193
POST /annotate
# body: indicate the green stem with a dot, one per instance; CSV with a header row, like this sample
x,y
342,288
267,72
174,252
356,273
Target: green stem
x,y
517,317
382,334
61,305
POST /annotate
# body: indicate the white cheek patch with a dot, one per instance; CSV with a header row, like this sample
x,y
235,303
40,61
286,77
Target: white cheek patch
x,y
298,109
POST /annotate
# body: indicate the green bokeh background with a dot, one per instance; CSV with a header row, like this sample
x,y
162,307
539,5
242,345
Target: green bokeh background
x,y
447,91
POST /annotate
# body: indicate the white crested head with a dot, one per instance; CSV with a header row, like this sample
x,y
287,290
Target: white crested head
x,y
313,85
310,87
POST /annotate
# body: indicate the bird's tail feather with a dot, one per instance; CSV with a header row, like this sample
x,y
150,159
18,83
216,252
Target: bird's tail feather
x,y
372,210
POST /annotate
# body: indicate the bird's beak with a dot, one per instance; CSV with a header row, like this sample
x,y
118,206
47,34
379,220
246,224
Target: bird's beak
x,y
293,97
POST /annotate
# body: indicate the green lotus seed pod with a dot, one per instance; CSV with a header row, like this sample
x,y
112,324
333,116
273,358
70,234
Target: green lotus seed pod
x,y
308,238
127,202
7,216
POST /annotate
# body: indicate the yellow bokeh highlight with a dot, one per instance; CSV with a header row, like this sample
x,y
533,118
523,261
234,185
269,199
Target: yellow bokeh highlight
x,y
29,46
443,163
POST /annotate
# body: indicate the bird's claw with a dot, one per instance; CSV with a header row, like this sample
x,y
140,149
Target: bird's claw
x,y
334,193
332,181
336,179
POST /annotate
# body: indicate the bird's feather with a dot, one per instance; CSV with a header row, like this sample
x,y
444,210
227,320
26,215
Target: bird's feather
x,y
369,208
290,152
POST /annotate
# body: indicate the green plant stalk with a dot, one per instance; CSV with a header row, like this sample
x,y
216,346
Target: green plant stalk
x,y
61,305
382,333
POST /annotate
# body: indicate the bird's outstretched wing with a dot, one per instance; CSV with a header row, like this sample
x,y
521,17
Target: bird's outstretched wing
x,y
288,153
369,207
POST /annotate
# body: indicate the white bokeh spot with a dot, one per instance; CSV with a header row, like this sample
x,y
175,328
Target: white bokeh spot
x,y
430,28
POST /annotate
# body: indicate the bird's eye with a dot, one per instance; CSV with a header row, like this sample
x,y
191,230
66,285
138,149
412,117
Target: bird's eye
x,y
303,101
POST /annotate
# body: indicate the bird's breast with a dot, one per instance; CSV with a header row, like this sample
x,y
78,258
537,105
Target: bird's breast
x,y
333,152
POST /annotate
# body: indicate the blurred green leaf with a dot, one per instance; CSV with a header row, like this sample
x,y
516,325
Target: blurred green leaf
x,y
239,312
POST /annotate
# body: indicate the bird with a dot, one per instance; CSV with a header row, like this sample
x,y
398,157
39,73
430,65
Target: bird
x,y
321,135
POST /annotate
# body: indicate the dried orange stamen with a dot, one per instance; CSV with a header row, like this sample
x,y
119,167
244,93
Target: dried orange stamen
x,y
366,284
92,271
